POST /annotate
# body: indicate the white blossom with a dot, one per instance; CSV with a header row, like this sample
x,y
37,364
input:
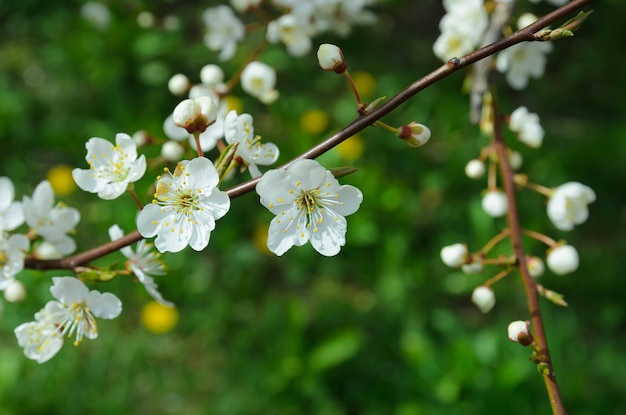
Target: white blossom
x,y
293,30
50,221
523,61
526,125
13,250
259,80
186,205
224,30
568,205
72,314
462,28
11,212
239,129
195,115
310,206
144,263
111,167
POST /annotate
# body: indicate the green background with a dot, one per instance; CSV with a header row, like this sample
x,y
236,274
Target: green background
x,y
382,328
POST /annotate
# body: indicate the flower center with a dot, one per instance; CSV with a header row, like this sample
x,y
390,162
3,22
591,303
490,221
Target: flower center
x,y
79,320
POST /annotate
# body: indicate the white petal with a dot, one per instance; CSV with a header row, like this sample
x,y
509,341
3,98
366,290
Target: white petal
x,y
105,305
68,290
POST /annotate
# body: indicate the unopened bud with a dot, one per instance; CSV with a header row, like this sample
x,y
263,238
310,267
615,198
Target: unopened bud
x,y
535,266
330,58
563,260
172,151
15,292
195,115
519,332
414,134
178,84
475,169
454,255
484,298
495,204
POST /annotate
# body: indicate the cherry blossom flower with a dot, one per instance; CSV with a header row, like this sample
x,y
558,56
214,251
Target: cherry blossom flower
x,y
13,250
195,115
294,31
50,221
72,314
258,80
111,167
143,263
224,30
526,124
186,205
523,61
309,204
568,205
239,129
462,28
11,212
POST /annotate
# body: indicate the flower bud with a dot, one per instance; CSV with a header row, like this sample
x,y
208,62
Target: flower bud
x,y
454,255
495,204
563,260
515,160
535,266
211,74
473,268
195,115
15,292
330,58
414,134
172,151
519,332
484,298
475,169
568,205
178,84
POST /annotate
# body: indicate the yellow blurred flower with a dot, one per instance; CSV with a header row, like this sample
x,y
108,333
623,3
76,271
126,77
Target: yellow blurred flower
x,y
314,121
352,148
61,180
158,318
234,103
365,83
259,238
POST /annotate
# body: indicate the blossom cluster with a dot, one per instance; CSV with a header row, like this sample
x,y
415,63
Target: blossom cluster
x,y
295,28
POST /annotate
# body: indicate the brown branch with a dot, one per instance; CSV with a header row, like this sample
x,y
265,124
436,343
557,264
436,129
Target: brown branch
x,y
453,65
530,287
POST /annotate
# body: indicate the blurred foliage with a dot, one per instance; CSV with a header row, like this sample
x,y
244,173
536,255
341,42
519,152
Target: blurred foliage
x,y
382,328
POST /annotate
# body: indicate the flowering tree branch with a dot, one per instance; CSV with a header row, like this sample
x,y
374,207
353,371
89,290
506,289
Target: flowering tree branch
x,y
530,287
526,34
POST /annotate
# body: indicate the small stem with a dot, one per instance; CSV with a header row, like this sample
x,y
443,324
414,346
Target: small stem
x,y
540,237
196,137
546,191
532,297
386,126
497,277
135,198
353,86
495,240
